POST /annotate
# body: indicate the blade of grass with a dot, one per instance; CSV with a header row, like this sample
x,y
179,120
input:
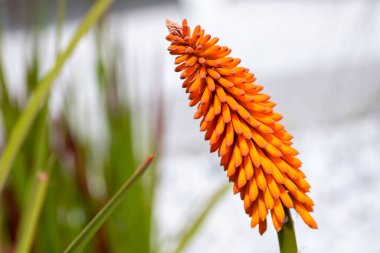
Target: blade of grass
x,y
189,234
122,141
39,97
4,97
50,231
3,87
32,211
92,227
287,236
60,18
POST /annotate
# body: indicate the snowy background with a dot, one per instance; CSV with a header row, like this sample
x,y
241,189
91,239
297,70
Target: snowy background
x,y
320,62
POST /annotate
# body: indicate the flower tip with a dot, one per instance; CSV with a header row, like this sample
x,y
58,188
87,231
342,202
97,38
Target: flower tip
x,y
313,224
168,22
173,27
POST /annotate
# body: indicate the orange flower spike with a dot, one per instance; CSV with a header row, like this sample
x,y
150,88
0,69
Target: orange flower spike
x,y
255,149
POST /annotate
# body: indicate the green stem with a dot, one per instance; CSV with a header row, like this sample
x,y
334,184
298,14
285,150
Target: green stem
x,y
93,226
287,236
39,97
33,209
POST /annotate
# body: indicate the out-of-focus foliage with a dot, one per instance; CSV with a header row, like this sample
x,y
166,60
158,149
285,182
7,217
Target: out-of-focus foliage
x,y
78,183
69,202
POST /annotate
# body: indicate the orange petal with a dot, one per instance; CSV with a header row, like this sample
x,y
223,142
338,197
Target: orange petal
x,y
260,178
210,115
225,83
258,139
247,203
223,148
205,99
262,226
210,83
269,202
303,198
231,168
213,73
279,211
237,156
277,225
226,113
245,130
253,190
229,135
220,126
306,217
181,59
236,123
241,178
273,187
204,39
253,154
248,168
232,103
272,150
211,42
267,165
221,94
285,198
290,185
191,61
263,210
243,145
255,215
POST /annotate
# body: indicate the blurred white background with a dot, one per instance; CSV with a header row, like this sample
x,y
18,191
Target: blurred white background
x,y
320,62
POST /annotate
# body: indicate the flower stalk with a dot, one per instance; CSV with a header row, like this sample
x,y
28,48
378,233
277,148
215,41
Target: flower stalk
x,y
287,236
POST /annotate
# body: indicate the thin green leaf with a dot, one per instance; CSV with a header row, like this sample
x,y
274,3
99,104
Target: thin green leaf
x,y
92,227
39,97
191,232
33,208
3,87
60,18
4,96
287,236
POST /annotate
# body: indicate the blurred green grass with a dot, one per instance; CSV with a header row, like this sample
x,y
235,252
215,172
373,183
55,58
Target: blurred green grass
x,y
70,201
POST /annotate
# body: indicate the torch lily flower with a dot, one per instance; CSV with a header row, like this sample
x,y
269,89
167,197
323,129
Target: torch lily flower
x,y
241,125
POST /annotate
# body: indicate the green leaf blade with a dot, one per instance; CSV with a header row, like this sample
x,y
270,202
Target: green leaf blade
x,y
93,226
